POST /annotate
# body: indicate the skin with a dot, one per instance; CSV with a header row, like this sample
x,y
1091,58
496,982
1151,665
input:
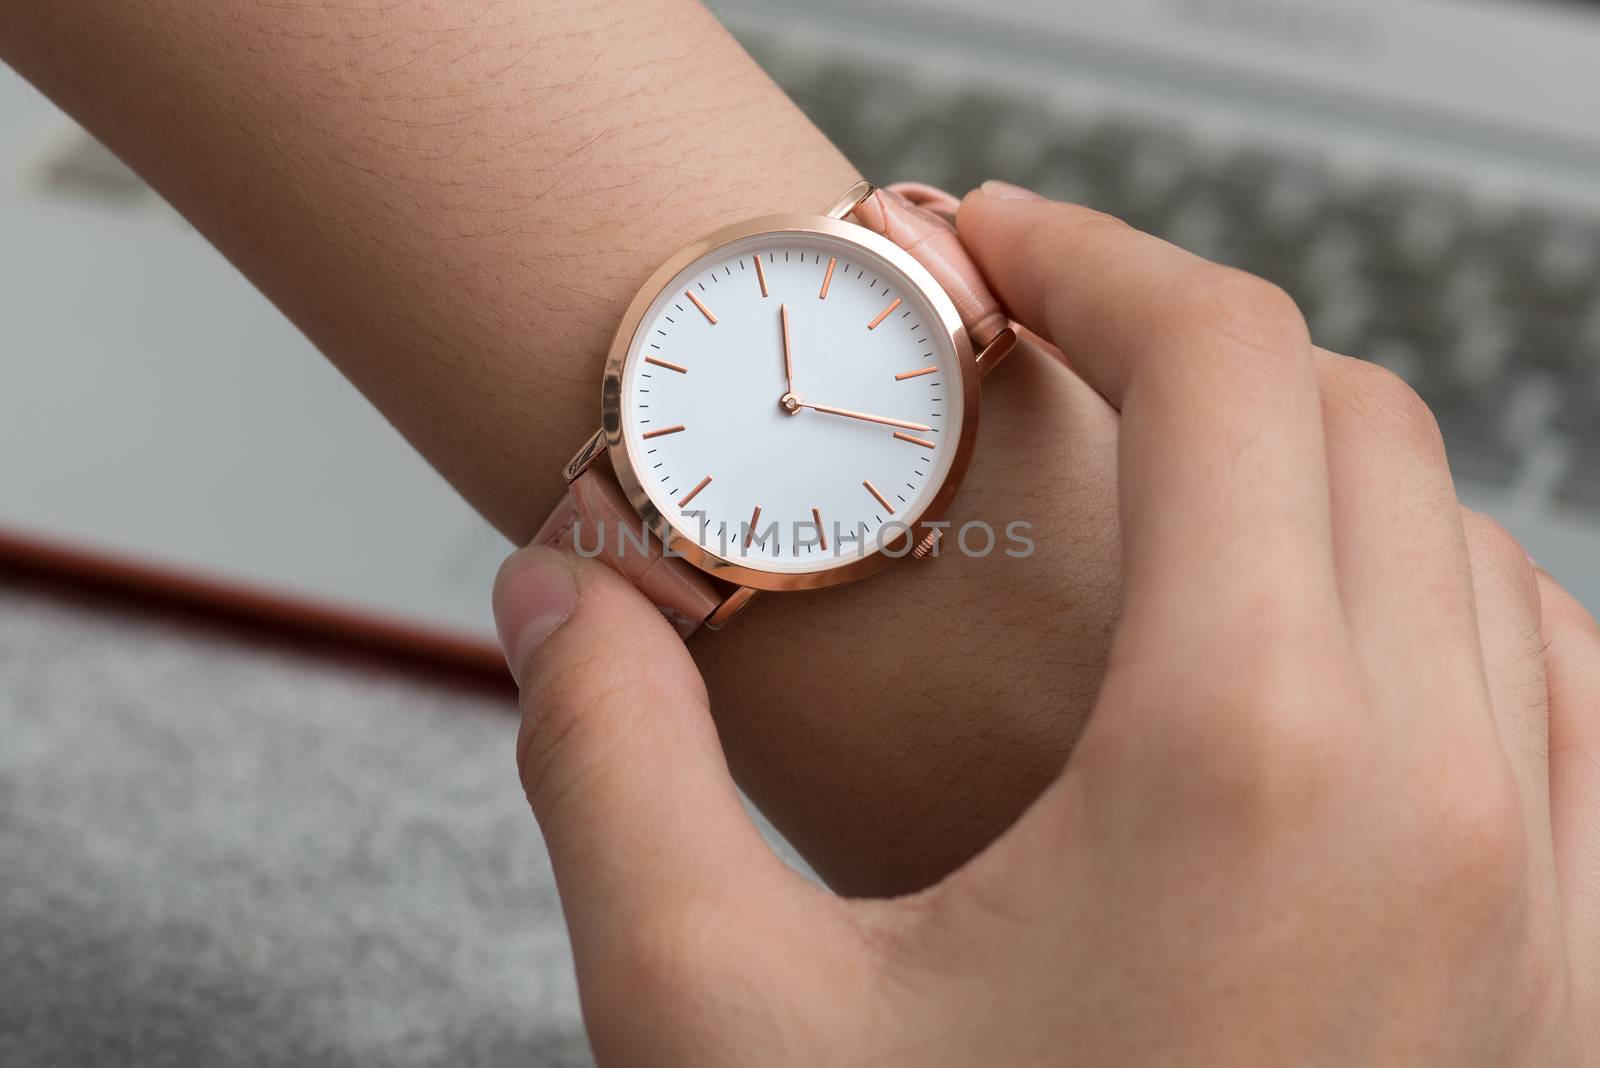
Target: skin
x,y
1336,800
1336,804
456,201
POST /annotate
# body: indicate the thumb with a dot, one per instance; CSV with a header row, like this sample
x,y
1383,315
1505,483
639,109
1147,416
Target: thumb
x,y
1088,283
617,751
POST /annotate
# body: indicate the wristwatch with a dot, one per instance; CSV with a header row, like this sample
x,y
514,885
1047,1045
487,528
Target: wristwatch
x,y
790,403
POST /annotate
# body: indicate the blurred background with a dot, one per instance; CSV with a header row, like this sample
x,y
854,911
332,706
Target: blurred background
x,y
204,857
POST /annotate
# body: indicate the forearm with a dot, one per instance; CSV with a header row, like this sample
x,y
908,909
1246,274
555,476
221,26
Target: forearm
x,y
452,200
456,201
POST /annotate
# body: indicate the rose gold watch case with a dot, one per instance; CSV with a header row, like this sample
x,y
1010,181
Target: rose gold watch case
x,y
627,472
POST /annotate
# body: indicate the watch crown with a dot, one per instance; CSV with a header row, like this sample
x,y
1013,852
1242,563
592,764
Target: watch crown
x,y
927,545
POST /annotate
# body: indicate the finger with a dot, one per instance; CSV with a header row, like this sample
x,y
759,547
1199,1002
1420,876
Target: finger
x,y
618,754
1506,594
1224,492
1404,575
1572,677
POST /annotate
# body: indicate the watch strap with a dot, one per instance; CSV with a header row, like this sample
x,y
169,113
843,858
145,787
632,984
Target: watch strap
x,y
921,219
594,515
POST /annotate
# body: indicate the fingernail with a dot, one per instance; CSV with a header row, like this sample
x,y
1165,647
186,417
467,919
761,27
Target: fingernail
x,y
534,594
1006,191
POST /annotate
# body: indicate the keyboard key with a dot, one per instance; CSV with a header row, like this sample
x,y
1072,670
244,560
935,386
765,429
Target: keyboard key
x,y
1481,351
1554,343
1549,252
951,145
932,153
1580,487
1483,464
1416,225
1578,416
1062,175
1398,354
1154,174
1341,317
1280,193
1200,223
1472,423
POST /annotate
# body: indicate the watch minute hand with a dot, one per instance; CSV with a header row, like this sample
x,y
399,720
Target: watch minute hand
x,y
848,414
788,359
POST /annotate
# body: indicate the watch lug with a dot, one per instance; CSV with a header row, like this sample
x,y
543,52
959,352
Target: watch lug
x,y
585,456
847,203
995,352
731,606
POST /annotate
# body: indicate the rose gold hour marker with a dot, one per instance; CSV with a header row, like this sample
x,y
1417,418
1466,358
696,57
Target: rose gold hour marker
x,y
680,368
926,444
761,276
881,499
893,304
827,280
902,376
822,539
648,434
703,309
750,531
687,497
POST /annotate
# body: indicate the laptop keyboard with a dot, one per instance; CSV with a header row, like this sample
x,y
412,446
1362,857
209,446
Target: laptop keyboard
x,y
1492,314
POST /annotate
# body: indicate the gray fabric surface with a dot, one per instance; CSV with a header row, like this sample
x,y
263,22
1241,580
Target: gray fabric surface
x,y
221,851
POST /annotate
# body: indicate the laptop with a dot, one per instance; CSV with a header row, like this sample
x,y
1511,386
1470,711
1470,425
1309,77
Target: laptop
x,y
162,427
1422,175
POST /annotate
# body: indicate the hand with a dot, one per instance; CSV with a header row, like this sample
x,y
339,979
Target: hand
x,y
291,108
1337,803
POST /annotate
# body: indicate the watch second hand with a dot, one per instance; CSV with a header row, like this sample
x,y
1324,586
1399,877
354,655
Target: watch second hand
x,y
848,414
788,360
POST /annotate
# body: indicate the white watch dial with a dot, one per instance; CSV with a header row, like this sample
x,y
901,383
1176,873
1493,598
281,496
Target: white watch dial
x,y
803,474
